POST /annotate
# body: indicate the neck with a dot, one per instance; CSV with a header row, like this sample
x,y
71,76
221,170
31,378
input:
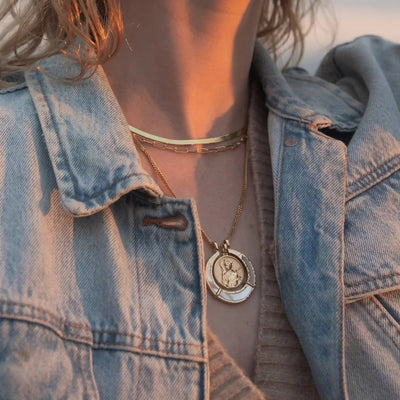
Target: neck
x,y
183,70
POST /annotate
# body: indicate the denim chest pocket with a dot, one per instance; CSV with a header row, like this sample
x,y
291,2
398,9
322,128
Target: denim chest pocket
x,y
372,239
372,282
372,346
109,306
36,363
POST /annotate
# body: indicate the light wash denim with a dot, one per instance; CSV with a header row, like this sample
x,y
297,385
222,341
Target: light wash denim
x,y
337,214
102,294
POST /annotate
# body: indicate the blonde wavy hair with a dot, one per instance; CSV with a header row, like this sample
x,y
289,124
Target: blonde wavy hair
x,y
36,29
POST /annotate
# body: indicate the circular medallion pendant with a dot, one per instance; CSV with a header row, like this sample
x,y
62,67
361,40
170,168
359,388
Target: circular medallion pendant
x,y
230,275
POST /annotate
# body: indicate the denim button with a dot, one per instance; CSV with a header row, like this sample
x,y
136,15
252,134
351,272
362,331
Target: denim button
x,y
291,141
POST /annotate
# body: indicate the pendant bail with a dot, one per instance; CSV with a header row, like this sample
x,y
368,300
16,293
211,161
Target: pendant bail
x,y
225,246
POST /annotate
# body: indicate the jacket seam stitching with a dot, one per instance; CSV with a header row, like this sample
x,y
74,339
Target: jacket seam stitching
x,y
84,327
59,332
146,351
384,312
371,280
384,163
138,287
342,358
201,280
93,344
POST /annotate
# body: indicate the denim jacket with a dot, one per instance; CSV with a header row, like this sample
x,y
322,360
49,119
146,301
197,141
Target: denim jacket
x,y
100,298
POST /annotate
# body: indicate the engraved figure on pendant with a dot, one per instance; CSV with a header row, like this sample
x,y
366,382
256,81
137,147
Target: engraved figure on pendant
x,y
231,276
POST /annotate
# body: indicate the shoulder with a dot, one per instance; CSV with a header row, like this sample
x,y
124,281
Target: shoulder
x,y
18,114
12,97
352,71
368,65
363,54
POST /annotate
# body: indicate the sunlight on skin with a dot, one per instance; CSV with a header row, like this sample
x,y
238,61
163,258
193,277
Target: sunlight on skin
x,y
192,59
191,42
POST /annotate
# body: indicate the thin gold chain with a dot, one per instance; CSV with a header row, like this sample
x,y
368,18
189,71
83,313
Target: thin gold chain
x,y
194,148
239,208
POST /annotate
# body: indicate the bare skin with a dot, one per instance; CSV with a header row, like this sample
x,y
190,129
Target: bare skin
x,y
187,77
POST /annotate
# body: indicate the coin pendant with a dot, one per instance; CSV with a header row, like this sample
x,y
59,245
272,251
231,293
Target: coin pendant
x,y
230,275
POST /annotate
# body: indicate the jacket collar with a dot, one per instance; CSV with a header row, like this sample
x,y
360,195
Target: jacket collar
x,y
95,161
298,96
356,89
367,68
90,147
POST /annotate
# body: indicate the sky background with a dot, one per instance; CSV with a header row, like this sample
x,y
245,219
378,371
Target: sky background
x,y
353,18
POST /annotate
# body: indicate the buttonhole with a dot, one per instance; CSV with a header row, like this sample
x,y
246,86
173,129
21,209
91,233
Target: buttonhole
x,y
178,222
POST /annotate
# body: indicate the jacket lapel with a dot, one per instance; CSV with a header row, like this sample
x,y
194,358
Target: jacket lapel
x,y
310,175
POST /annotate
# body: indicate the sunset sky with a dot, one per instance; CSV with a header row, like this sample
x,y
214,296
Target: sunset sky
x,y
354,18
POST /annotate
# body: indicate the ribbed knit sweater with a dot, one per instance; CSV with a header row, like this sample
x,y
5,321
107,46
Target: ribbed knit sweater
x,y
281,371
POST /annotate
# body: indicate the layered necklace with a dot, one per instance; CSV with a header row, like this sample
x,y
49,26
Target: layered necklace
x,y
230,274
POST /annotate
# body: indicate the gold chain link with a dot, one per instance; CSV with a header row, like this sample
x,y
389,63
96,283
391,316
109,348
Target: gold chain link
x,y
239,208
183,149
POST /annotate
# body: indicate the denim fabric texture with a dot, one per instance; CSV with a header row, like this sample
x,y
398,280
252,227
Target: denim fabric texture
x,y
107,305
337,210
98,301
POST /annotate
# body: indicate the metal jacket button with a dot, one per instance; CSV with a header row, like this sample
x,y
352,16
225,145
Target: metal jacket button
x,y
291,141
